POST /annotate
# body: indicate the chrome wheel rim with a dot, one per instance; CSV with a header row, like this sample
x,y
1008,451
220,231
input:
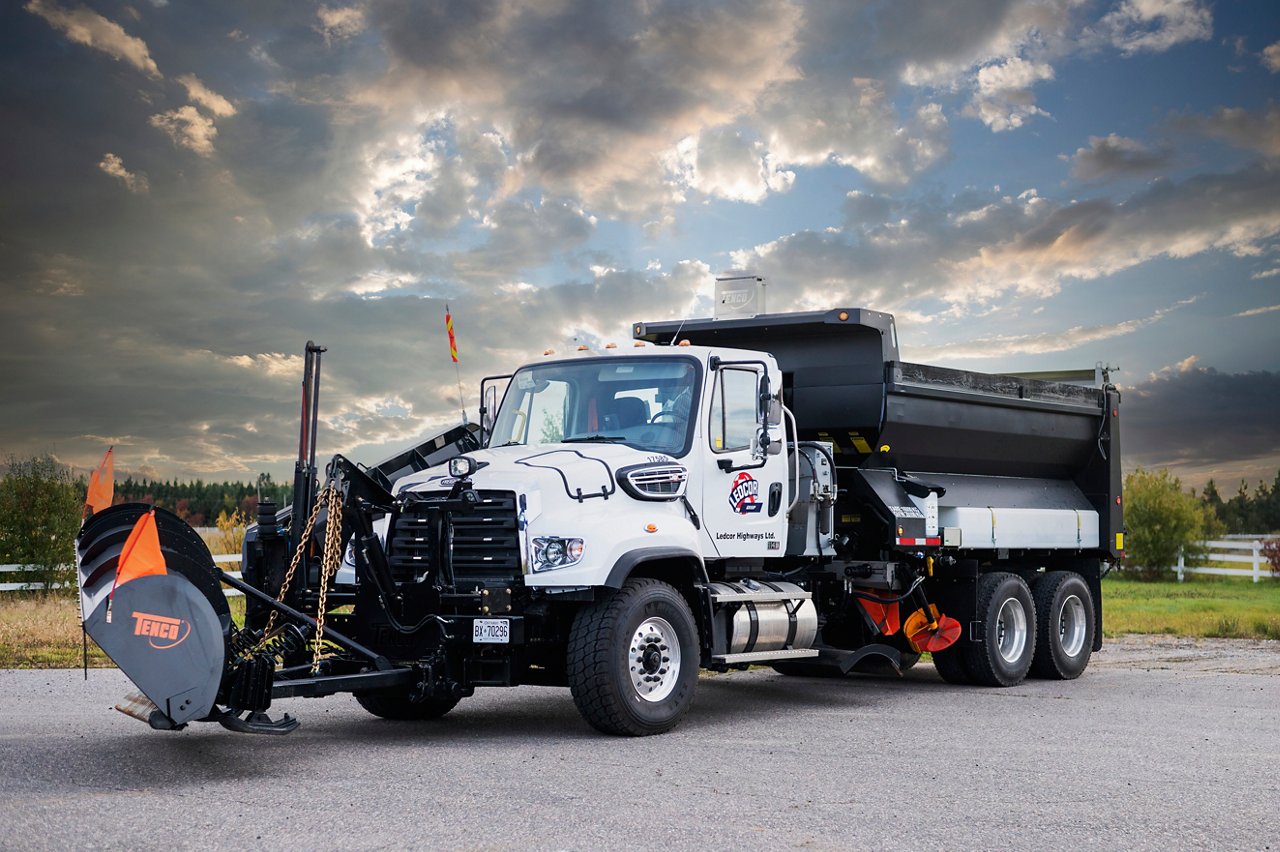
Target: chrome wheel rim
x,y
1011,630
1072,624
654,659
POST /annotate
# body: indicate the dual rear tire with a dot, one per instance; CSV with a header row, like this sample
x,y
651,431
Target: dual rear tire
x,y
1044,630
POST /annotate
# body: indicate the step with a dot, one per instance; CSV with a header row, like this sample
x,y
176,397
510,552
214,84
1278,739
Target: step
x,y
764,656
759,597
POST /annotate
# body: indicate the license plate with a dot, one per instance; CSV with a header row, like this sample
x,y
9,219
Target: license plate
x,y
491,630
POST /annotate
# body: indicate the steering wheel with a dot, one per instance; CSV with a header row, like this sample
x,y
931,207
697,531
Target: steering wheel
x,y
655,418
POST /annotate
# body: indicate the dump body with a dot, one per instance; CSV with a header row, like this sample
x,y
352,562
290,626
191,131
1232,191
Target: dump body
x,y
845,383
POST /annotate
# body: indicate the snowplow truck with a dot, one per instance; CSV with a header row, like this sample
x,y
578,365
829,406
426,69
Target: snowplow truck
x,y
778,490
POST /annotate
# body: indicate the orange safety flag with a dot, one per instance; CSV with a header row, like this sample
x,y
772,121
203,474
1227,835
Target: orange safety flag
x,y
102,485
141,555
448,324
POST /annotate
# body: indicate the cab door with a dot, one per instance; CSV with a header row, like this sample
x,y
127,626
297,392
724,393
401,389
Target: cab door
x,y
744,499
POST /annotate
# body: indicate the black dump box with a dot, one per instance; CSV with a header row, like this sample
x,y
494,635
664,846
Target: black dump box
x,y
844,381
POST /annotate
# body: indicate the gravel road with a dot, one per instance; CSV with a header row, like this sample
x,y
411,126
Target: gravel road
x,y
1164,743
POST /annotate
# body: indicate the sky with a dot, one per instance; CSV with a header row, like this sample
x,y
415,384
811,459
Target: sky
x,y
189,192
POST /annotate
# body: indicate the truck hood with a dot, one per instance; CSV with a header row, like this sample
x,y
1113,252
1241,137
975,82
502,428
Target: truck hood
x,y
581,470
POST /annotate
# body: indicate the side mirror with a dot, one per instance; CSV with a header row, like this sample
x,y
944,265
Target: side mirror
x,y
773,412
488,407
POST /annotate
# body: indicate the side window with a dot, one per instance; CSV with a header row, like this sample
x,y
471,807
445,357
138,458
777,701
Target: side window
x,y
733,410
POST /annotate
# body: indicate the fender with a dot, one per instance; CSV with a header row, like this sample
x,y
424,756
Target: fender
x,y
634,558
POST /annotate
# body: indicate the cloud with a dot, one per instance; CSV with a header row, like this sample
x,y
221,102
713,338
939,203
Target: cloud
x,y
1199,418
1004,99
853,124
1138,26
1000,346
188,128
114,166
724,163
84,26
338,23
970,251
1234,213
1271,57
591,99
1116,155
1249,130
205,97
1253,312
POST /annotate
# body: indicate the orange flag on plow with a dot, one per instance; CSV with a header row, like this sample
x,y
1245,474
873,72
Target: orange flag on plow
x,y
141,556
102,485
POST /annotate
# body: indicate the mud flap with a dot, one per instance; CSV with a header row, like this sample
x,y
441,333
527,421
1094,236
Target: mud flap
x,y
167,639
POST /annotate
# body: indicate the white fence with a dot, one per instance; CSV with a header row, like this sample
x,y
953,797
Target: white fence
x,y
35,587
1244,550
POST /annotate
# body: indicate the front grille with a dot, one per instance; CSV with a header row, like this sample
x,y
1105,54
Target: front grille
x,y
486,541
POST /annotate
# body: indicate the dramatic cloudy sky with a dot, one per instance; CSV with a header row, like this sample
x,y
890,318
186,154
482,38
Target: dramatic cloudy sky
x,y
192,190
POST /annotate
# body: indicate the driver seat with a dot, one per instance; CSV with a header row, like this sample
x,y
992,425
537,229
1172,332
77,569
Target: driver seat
x,y
630,411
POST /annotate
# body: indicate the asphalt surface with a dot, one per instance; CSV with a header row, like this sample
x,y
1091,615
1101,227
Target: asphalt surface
x,y
1161,744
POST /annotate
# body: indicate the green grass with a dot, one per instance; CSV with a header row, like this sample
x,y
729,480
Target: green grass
x,y
1227,607
44,632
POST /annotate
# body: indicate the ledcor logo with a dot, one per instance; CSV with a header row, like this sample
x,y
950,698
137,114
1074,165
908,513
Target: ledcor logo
x,y
743,497
162,632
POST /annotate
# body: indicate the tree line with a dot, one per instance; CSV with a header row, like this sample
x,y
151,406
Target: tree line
x,y
200,503
1256,511
42,502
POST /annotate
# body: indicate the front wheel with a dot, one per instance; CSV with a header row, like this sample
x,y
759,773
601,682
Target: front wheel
x,y
633,659
1008,616
1064,641
395,704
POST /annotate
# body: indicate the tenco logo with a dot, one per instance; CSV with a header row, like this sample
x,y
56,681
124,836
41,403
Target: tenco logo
x,y
162,632
743,497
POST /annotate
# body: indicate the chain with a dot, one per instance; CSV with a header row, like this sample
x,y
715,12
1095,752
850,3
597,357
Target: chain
x,y
303,541
328,566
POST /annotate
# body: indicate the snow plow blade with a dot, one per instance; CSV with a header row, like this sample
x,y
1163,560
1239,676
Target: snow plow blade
x,y
150,597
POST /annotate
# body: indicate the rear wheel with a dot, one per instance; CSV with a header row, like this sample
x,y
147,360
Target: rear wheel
x,y
1064,640
633,659
950,665
1008,616
395,704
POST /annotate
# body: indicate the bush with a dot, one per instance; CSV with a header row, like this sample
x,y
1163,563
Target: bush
x,y
40,509
1271,550
1162,520
229,537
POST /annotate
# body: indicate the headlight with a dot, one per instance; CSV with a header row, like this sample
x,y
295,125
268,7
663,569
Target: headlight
x,y
551,552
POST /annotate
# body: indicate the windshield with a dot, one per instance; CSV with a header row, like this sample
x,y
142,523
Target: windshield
x,y
641,402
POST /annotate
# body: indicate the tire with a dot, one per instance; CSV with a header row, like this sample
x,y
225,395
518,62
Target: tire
x,y
395,704
1008,615
950,665
1064,639
633,659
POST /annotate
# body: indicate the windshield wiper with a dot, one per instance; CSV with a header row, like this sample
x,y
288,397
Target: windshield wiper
x,y
594,438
